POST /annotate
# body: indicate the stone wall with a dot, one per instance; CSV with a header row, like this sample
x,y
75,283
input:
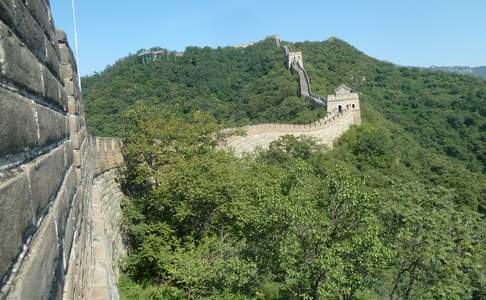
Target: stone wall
x,y
344,98
295,57
47,163
295,62
106,198
325,130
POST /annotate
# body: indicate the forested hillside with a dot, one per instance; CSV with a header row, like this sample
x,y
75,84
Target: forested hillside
x,y
476,71
237,85
395,210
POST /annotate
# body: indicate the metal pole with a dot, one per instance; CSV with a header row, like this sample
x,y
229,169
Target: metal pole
x,y
76,42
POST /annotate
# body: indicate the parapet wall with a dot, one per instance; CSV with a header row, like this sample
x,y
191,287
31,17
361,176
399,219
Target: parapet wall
x,y
47,163
109,152
106,199
325,130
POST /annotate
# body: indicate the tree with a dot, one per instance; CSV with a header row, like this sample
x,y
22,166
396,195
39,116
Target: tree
x,y
318,236
438,248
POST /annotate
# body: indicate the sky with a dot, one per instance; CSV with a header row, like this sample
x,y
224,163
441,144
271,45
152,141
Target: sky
x,y
406,32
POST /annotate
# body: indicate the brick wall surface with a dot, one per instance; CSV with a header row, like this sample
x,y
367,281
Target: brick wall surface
x,y
325,130
46,161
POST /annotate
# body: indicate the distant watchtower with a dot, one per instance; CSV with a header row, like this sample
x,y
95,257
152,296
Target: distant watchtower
x,y
295,57
344,99
151,55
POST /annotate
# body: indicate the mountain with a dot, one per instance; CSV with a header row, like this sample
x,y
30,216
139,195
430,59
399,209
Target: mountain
x,y
205,224
237,85
476,71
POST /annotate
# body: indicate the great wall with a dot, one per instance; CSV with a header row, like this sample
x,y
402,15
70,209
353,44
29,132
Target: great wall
x,y
343,111
59,193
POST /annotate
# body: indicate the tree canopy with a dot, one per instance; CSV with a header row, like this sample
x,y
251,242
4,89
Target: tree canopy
x,y
394,210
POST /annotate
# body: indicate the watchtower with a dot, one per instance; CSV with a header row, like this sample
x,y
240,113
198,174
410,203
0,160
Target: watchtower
x,y
344,99
295,57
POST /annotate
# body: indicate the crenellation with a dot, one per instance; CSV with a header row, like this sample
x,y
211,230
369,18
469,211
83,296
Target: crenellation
x,y
295,57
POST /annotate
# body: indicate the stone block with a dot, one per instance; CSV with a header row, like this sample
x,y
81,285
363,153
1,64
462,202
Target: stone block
x,y
20,20
41,13
67,55
16,217
71,226
79,176
67,73
80,108
72,105
7,14
76,139
77,158
61,37
70,88
18,128
40,39
84,135
40,275
68,156
52,59
52,125
62,204
82,122
73,123
17,64
53,90
46,176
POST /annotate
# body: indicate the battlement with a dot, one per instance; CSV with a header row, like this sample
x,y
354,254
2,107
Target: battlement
x,y
344,98
108,152
342,107
325,130
295,57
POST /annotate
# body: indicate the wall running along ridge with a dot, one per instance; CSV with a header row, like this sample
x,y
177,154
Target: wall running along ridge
x,y
343,110
48,165
59,195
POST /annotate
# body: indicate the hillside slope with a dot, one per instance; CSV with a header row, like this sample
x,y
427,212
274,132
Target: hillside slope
x,y
475,71
237,85
420,151
444,112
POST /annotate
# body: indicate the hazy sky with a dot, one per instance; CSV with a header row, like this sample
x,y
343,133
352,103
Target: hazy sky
x,y
405,32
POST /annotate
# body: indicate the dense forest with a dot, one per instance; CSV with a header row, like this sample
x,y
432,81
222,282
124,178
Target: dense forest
x,y
395,210
237,85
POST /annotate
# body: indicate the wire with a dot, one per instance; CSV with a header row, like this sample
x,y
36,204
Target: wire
x,y
76,42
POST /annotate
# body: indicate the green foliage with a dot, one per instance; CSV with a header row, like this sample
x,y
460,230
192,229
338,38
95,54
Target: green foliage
x,y
475,71
435,244
297,221
408,186
321,233
443,112
237,86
